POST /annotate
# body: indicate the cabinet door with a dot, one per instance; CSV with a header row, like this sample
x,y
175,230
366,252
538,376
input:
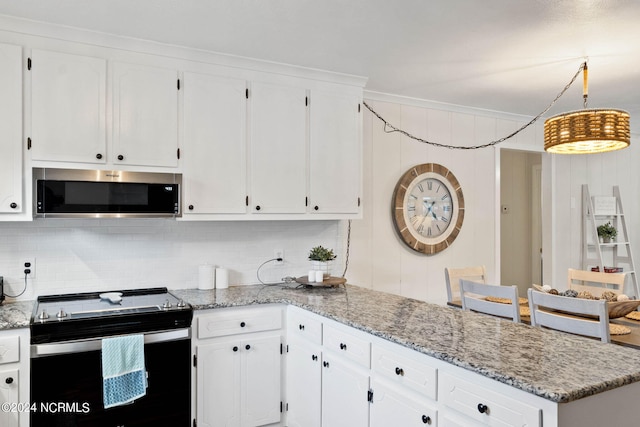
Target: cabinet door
x,y
145,115
260,380
218,383
393,408
9,383
304,385
11,128
344,394
335,153
278,149
68,94
214,152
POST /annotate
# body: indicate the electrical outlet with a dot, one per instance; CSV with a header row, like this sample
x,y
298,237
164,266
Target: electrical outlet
x,y
279,254
28,264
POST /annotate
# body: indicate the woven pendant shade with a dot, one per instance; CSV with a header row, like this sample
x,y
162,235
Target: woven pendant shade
x,y
587,131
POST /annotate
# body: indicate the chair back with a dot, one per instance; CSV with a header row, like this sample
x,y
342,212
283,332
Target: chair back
x,y
474,298
453,275
568,314
595,282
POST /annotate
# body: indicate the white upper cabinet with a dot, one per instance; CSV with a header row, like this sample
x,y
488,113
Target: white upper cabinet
x,y
145,115
335,153
278,148
10,129
215,145
68,96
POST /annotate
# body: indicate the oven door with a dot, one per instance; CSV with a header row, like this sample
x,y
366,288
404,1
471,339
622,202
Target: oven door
x,y
66,384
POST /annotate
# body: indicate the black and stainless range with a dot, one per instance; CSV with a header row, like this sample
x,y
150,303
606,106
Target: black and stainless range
x,y
66,371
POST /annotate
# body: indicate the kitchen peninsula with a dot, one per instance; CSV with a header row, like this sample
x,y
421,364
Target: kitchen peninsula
x,y
577,376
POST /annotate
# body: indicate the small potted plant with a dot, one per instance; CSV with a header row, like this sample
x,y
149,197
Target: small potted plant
x,y
321,258
607,232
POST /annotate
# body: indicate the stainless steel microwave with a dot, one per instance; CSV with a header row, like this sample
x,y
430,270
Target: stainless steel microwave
x,y
68,193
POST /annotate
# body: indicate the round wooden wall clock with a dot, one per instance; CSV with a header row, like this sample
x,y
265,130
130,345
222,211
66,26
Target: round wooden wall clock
x,y
428,208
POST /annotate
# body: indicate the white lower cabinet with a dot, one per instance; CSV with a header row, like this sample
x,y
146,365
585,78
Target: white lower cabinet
x,y
304,385
238,376
14,378
345,391
393,407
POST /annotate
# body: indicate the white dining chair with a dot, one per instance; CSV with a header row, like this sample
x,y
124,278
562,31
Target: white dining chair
x,y
453,275
595,282
568,314
474,296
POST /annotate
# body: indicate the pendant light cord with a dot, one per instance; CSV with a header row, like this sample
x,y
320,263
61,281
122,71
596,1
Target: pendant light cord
x,y
389,128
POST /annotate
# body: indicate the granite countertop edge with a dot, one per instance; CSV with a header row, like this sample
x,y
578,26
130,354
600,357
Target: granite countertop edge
x,y
554,394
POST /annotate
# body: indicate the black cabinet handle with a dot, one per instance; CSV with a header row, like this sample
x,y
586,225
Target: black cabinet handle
x,y
426,420
314,357
343,346
120,157
9,380
258,207
235,348
400,371
98,156
315,208
247,346
190,207
13,205
482,408
325,364
242,324
301,327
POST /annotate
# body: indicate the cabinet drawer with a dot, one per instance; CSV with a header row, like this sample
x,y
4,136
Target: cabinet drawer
x,y
231,321
486,406
9,349
302,325
406,367
352,347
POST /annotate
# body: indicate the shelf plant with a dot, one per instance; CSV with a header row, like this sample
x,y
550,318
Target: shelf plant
x,y
607,232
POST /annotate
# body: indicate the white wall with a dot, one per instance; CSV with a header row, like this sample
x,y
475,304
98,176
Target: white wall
x,y
95,255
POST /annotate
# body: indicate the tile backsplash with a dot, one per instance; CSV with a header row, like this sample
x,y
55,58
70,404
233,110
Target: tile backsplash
x,y
91,255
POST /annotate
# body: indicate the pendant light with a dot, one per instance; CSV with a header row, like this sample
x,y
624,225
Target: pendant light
x,y
588,130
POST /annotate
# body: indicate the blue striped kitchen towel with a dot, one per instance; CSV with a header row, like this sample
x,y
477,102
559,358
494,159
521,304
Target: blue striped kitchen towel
x,y
124,377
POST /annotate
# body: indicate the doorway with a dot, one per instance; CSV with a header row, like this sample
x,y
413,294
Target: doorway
x,y
521,260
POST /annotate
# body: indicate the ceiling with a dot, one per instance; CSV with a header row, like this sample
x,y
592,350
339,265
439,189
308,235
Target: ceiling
x,y
505,55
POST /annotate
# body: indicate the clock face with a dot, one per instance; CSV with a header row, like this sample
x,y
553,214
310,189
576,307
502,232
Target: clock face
x,y
428,208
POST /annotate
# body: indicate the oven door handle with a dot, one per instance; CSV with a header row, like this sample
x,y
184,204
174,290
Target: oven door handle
x,y
40,350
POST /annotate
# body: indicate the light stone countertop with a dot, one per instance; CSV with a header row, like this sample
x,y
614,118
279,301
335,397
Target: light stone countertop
x,y
554,365
14,315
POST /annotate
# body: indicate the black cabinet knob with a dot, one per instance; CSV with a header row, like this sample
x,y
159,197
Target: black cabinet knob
x,y
315,208
235,348
482,408
98,156
314,357
301,327
247,346
13,205
426,420
190,207
9,380
242,324
258,207
325,364
343,346
400,371
120,157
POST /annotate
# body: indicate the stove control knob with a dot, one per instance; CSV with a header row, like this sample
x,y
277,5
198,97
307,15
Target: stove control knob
x,y
43,315
181,304
61,314
166,304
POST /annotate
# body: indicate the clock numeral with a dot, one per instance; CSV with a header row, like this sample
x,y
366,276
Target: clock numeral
x,y
420,187
438,189
411,196
430,185
445,197
421,229
438,227
443,219
446,208
411,208
429,231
